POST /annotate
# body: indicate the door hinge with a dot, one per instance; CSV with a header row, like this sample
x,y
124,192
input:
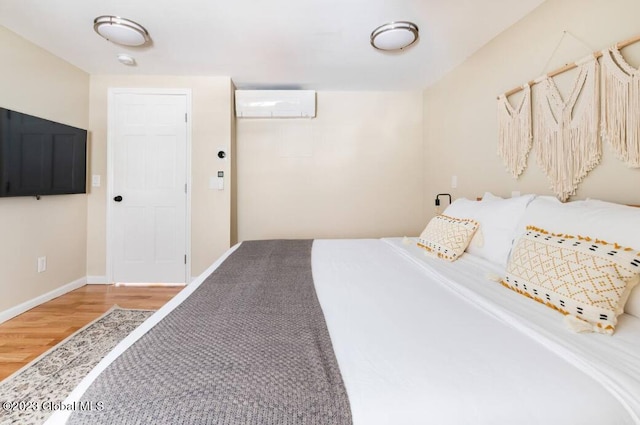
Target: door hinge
x,y
185,188
185,258
185,117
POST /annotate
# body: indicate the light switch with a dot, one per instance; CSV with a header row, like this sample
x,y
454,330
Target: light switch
x,y
95,180
454,182
217,182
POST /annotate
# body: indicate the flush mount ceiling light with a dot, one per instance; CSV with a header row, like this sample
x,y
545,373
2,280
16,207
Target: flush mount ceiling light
x,y
394,36
121,31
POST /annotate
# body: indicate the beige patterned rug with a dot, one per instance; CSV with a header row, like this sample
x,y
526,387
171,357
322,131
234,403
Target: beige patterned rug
x,y
29,395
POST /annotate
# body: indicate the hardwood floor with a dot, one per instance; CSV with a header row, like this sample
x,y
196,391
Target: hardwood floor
x,y
30,334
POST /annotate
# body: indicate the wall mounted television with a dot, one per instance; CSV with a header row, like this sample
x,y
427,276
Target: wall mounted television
x,y
40,157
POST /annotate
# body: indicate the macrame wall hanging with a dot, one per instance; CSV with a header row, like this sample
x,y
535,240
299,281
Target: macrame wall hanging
x,y
621,106
514,132
566,133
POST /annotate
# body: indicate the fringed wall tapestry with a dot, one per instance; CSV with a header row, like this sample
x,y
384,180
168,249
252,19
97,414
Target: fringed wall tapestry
x,y
621,106
566,132
514,132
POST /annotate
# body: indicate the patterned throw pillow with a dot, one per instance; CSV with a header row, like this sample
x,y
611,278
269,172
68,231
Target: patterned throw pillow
x,y
447,237
586,278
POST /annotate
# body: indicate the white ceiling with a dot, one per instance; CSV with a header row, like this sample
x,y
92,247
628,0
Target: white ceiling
x,y
310,44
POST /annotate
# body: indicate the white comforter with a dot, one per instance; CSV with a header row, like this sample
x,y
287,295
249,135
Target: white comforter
x,y
422,341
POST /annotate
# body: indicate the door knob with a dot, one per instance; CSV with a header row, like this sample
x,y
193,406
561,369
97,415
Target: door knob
x,y
118,198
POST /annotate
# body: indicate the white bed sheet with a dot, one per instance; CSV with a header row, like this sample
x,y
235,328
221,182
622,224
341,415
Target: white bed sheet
x,y
414,349
419,340
613,360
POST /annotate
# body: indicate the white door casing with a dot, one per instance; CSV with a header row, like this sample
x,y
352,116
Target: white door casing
x,y
148,166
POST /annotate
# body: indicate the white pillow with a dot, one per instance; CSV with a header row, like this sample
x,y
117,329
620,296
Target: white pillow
x,y
632,306
620,223
603,220
498,219
549,213
462,208
488,196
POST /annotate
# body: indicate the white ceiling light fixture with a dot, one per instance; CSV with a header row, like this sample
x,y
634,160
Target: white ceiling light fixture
x,y
394,36
125,59
121,30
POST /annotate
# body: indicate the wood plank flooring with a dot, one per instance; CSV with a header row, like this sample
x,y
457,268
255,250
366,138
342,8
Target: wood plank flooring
x,y
30,334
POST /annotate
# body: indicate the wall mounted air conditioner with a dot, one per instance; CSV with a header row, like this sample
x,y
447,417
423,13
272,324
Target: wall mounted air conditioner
x,y
275,103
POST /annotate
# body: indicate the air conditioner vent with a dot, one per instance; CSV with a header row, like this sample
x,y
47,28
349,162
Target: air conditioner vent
x,y
275,103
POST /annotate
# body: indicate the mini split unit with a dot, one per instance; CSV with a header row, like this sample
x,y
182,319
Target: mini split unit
x,y
275,103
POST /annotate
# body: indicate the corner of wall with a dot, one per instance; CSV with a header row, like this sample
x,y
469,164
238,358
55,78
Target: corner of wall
x,y
234,170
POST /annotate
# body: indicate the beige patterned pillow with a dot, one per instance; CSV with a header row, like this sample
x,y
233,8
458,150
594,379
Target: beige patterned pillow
x,y
447,237
579,276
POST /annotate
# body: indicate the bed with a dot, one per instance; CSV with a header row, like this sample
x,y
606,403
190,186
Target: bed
x,y
421,340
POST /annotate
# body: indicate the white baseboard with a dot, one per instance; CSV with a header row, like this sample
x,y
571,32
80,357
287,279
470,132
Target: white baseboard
x,y
142,285
97,280
28,305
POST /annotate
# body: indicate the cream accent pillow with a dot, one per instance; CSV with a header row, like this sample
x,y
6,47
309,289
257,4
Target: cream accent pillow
x,y
447,237
586,278
599,219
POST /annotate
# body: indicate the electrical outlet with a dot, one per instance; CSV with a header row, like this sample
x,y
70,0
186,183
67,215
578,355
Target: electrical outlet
x,y
42,264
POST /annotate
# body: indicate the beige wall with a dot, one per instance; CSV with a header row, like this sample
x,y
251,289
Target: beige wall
x,y
211,128
460,111
35,82
353,171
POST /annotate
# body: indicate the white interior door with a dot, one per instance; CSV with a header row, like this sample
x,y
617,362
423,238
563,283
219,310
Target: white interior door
x,y
148,225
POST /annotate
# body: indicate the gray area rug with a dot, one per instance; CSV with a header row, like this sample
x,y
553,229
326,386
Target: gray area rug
x,y
27,395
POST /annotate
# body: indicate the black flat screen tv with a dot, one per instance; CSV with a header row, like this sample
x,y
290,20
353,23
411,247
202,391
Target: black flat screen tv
x,y
40,157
